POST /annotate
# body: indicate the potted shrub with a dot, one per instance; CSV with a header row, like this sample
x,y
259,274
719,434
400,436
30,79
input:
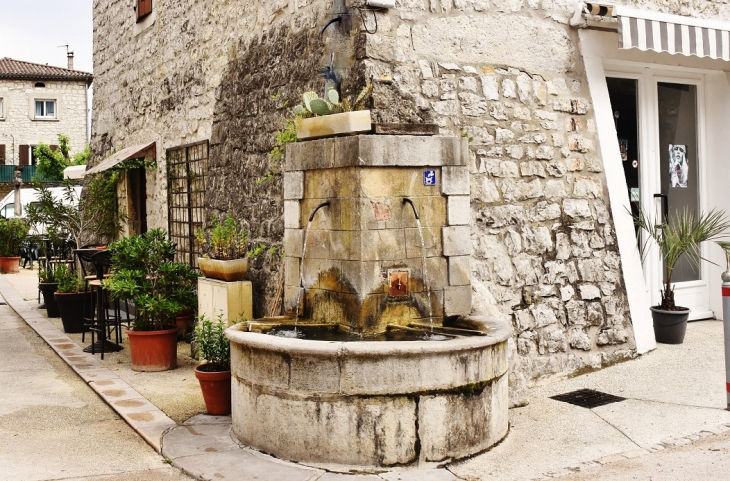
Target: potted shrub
x,y
145,273
48,284
316,117
214,373
681,236
70,299
226,257
12,235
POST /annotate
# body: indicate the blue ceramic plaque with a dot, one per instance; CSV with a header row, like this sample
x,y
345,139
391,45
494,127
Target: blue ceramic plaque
x,y
429,177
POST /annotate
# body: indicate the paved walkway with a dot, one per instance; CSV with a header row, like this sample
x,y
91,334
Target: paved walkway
x,y
674,397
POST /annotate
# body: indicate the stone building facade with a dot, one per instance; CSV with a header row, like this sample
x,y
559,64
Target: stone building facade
x,y
62,94
553,248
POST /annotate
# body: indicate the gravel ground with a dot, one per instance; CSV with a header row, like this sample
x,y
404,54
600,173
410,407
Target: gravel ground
x,y
176,392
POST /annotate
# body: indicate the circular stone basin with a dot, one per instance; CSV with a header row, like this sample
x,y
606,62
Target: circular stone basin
x,y
371,404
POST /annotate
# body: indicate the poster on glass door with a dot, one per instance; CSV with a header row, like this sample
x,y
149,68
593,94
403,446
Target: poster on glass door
x,y
678,166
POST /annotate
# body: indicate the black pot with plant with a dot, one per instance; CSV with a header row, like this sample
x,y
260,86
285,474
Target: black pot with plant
x,y
48,284
70,299
146,274
682,235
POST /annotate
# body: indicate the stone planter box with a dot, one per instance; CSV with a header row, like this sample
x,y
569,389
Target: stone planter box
x,y
229,271
335,124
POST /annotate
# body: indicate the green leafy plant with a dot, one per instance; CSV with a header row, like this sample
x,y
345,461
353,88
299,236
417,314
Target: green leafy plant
x,y
211,344
680,236
227,240
47,275
12,234
51,163
145,273
68,280
99,205
313,106
725,246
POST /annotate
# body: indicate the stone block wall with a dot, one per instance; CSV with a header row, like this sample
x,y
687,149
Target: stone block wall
x,y
218,71
17,127
544,253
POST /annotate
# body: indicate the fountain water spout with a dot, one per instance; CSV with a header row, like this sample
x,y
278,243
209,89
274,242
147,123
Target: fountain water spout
x,y
406,200
323,204
301,264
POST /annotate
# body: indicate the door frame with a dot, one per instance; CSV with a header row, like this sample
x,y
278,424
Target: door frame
x,y
649,174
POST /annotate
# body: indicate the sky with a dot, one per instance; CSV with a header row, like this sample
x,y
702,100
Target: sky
x,y
32,30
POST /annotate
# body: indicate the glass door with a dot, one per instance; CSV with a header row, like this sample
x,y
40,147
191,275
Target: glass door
x,y
658,127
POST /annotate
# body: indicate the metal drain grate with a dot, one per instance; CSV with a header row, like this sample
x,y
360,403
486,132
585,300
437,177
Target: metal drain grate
x,y
588,398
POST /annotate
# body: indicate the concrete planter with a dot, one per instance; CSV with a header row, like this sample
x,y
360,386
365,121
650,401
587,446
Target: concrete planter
x,y
370,404
357,122
9,265
229,270
669,326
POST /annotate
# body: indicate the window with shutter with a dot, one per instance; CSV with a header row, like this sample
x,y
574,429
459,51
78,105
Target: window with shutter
x,y
24,155
2,154
144,8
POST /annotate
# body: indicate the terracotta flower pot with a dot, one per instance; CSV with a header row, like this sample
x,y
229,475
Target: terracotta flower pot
x,y
232,270
153,351
71,307
183,320
10,265
216,387
48,289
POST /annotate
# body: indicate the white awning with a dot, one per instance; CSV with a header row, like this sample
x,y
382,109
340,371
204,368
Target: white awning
x,y
147,151
661,32
74,172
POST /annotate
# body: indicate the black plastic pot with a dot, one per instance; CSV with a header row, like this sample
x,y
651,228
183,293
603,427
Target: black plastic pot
x,y
71,305
47,289
669,326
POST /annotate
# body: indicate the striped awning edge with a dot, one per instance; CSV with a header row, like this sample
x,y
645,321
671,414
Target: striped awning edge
x,y
661,32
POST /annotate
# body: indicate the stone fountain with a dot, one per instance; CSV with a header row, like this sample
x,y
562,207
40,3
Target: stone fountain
x,y
381,362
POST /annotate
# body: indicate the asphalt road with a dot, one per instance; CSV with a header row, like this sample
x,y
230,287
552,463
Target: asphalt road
x,y
53,426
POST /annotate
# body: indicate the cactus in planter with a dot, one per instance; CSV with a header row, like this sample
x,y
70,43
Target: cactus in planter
x,y
312,105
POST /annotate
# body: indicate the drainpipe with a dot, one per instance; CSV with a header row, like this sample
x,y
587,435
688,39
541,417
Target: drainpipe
x,y
726,329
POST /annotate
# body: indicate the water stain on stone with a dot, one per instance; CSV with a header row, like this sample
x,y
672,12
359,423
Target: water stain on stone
x,y
108,382
192,431
66,346
211,450
115,392
129,403
76,358
142,417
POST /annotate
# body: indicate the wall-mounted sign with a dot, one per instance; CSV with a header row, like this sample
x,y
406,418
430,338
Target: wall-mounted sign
x,y
429,177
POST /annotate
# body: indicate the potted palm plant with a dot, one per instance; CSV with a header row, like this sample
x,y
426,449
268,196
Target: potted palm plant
x,y
214,373
12,235
145,273
680,236
226,257
69,297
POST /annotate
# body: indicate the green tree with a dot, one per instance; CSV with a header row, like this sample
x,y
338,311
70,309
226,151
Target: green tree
x,y
52,162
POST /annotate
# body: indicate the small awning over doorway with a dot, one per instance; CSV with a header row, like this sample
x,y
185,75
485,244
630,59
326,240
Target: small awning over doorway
x,y
661,32
148,151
